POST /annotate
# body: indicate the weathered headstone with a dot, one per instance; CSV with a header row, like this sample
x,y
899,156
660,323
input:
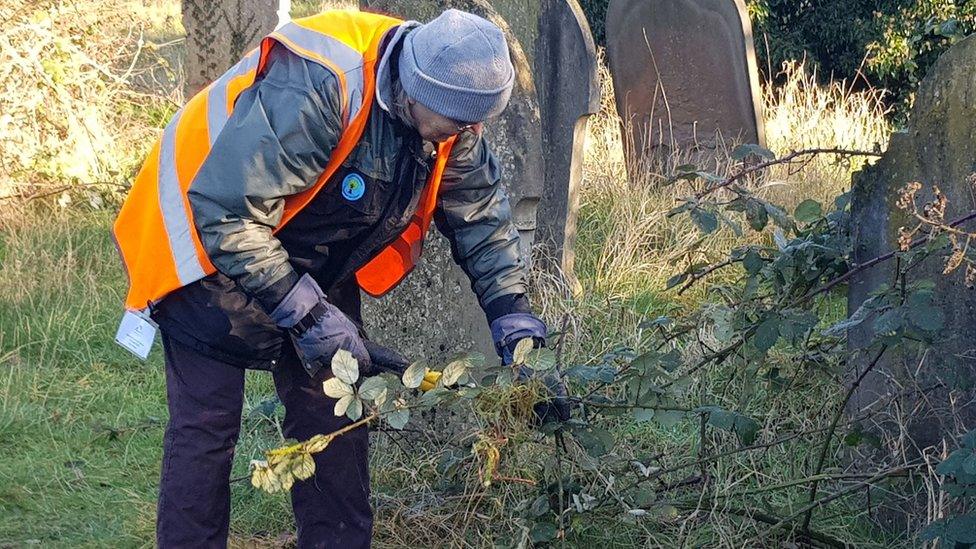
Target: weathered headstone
x,y
219,33
569,92
683,71
434,312
912,392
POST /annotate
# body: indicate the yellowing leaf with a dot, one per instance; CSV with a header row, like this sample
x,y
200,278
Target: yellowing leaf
x,y
453,372
429,381
414,375
317,443
343,404
336,388
305,467
277,453
345,367
522,349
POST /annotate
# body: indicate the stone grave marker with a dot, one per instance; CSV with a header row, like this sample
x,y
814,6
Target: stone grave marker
x,y
434,313
682,71
937,148
569,92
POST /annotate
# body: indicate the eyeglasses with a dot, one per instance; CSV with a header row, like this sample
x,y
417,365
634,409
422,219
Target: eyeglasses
x,y
457,127
461,126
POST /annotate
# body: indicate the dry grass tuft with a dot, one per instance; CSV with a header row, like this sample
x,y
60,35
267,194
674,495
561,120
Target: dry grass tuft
x,y
70,111
626,241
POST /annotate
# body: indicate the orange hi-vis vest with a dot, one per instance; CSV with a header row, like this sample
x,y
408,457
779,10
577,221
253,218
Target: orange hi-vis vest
x,y
154,231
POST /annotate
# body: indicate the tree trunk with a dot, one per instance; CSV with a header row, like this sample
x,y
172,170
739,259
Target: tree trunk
x,y
219,33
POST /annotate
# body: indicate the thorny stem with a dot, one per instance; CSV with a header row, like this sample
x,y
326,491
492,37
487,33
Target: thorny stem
x,y
695,277
855,487
868,264
822,459
758,446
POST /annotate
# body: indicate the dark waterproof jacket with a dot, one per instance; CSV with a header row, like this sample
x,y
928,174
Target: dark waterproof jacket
x,y
275,144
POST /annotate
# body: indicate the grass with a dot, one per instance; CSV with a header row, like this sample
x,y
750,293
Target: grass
x,y
81,422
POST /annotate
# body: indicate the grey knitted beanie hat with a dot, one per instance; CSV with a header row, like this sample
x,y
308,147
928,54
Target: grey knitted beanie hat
x,y
458,66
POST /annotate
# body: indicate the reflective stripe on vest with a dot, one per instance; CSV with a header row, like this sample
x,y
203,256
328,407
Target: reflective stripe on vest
x,y
157,239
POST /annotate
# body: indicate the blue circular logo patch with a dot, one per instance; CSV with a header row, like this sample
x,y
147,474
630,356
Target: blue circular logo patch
x,y
353,187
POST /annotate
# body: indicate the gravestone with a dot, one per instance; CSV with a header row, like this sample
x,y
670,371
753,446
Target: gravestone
x,y
569,92
683,71
434,313
937,148
219,33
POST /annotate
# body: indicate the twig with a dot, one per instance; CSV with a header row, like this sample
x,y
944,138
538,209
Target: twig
x,y
782,160
766,518
559,483
695,277
868,264
824,500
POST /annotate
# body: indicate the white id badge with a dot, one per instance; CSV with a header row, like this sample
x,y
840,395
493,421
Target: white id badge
x,y
136,333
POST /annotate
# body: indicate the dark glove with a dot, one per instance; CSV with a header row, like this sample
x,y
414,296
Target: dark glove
x,y
507,331
556,405
318,328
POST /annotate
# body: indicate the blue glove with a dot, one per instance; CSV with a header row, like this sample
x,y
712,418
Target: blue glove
x,y
318,328
507,331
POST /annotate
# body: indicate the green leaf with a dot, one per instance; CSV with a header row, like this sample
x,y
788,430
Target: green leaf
x,y
744,151
796,324
969,440
372,388
753,262
743,426
355,409
345,367
706,221
952,464
671,360
668,418
414,375
398,419
962,529
767,334
540,506
543,531
808,211
643,414
336,388
541,359
756,214
927,317
969,464
933,531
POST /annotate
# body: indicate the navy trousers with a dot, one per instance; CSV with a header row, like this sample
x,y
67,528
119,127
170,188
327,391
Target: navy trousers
x,y
205,398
